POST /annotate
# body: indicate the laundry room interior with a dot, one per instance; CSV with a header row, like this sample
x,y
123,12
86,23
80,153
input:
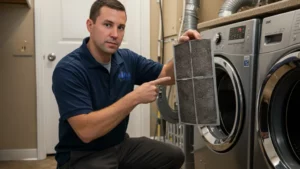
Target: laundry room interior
x,y
233,104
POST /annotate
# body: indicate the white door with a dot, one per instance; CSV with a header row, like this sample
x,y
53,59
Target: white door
x,y
60,28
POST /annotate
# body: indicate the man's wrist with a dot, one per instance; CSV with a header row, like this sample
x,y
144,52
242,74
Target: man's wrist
x,y
133,98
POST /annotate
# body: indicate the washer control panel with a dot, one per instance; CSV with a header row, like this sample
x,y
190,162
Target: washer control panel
x,y
280,31
236,38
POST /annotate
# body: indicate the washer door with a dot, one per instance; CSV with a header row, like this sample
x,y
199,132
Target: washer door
x,y
278,114
230,98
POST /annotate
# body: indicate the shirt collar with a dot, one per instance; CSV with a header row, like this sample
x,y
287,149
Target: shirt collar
x,y
91,62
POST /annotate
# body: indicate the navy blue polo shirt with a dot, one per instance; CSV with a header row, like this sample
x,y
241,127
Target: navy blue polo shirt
x,y
82,85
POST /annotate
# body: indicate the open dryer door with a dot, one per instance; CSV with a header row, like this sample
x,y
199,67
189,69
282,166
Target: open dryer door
x,y
168,112
231,106
278,113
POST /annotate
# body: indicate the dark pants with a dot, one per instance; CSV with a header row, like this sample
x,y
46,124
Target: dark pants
x,y
133,153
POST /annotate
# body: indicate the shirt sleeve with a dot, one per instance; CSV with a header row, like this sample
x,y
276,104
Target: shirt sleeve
x,y
71,93
145,69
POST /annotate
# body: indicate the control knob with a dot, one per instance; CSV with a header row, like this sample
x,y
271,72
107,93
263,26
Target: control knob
x,y
218,38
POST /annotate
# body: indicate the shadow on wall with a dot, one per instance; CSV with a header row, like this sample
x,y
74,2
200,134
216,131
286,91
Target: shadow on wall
x,y
18,123
11,16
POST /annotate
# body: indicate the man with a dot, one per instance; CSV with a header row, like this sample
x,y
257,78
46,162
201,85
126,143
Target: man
x,y
93,86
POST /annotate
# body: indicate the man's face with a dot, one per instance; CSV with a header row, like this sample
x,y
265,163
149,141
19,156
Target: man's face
x,y
108,31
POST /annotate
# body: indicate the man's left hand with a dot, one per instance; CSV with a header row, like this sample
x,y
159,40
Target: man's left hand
x,y
189,35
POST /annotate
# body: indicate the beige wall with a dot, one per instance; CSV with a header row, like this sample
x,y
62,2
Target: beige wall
x,y
17,80
208,10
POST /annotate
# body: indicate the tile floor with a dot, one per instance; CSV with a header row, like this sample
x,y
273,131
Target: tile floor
x,y
48,163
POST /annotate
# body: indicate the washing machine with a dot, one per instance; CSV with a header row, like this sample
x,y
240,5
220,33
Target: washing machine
x,y
228,145
277,136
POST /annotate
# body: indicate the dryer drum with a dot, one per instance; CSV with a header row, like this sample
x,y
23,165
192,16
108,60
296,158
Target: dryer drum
x,y
227,101
278,112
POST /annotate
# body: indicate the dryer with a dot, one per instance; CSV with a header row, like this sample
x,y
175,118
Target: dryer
x,y
277,137
235,49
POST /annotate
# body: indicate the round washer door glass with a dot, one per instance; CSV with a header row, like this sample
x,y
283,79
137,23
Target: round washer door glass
x,y
221,138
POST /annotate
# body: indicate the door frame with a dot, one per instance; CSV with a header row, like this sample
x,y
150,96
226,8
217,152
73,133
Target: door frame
x,y
39,61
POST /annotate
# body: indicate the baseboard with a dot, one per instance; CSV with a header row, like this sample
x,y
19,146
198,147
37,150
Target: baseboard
x,y
18,154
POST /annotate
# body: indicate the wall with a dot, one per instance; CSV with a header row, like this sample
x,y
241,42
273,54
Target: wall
x,y
18,129
208,10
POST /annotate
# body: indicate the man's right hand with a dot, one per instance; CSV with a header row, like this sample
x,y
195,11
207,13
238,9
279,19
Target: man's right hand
x,y
148,92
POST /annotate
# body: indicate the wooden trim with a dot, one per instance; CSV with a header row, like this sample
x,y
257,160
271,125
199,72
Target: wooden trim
x,y
39,62
145,51
258,12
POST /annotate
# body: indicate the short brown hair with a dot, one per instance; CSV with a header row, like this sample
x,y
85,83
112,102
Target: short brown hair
x,y
98,4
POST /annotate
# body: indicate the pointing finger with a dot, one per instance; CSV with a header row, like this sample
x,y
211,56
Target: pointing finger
x,y
160,80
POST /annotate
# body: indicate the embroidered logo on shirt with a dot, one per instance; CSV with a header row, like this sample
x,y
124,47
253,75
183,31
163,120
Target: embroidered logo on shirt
x,y
124,76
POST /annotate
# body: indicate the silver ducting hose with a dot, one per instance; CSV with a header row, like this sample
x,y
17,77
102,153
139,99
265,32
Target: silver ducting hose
x,y
232,6
191,15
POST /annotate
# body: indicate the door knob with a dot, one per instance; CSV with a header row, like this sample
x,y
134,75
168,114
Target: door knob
x,y
51,57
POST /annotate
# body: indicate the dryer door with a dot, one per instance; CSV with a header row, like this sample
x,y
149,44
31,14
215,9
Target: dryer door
x,y
230,98
278,113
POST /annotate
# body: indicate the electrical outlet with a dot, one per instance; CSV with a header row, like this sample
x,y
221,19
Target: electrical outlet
x,y
23,48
